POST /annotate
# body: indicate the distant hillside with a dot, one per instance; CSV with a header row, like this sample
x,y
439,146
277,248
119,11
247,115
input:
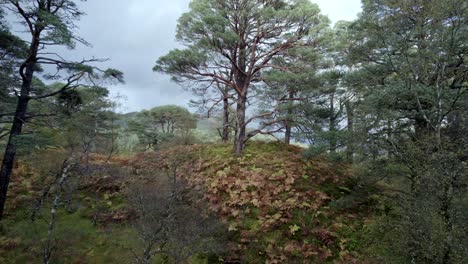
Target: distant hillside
x,y
122,119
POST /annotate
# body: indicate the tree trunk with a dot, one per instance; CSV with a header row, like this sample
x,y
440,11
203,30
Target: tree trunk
x,y
225,135
10,151
27,72
350,143
332,125
242,83
240,139
287,133
287,123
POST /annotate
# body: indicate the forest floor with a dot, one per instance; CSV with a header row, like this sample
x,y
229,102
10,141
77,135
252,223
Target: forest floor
x,y
273,205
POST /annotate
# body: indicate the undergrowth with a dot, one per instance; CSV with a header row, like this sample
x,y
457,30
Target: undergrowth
x,y
278,206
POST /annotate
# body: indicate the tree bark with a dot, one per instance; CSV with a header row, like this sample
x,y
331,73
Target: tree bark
x,y
225,135
287,133
239,142
242,82
27,72
332,125
350,143
10,151
287,123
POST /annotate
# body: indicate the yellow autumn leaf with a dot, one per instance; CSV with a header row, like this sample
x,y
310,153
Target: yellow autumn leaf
x,y
232,227
256,202
294,228
235,213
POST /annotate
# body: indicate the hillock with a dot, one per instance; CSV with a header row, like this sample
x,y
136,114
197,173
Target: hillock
x,y
275,206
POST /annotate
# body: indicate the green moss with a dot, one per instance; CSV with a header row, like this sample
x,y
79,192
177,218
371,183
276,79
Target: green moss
x,y
205,259
273,237
221,151
77,239
252,224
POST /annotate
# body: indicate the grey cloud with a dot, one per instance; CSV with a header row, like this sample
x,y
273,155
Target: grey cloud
x,y
134,33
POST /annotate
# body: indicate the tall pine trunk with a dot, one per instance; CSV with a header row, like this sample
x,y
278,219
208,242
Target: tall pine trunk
x,y
350,138
225,133
287,123
242,83
10,150
239,141
332,125
287,133
27,72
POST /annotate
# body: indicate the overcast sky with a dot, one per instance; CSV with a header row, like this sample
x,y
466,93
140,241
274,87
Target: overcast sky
x,y
134,33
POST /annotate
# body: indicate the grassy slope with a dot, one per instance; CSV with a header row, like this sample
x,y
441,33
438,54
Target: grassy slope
x,y
278,206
